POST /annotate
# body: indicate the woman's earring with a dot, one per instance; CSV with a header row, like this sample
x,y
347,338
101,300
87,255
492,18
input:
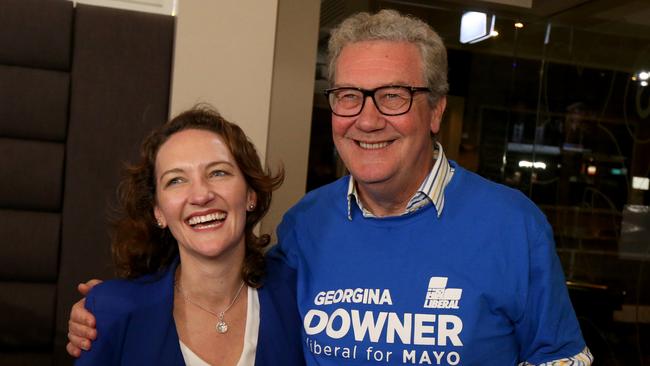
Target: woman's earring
x,y
251,206
160,224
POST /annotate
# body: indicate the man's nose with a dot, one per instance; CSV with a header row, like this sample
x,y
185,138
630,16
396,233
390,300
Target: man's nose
x,y
370,118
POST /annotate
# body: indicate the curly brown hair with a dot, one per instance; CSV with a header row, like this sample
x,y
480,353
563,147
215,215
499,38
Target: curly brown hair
x,y
139,246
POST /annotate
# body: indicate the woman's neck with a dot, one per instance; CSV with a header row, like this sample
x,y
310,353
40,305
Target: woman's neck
x,y
212,282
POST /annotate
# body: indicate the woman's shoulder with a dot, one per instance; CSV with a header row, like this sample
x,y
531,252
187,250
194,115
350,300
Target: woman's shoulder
x,y
122,295
134,321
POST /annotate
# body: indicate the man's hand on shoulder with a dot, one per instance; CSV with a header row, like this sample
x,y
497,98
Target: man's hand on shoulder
x,y
81,325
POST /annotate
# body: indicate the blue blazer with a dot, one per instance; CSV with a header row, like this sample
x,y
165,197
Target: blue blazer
x,y
135,322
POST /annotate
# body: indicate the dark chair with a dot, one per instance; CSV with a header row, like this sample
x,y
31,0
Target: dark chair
x,y
79,88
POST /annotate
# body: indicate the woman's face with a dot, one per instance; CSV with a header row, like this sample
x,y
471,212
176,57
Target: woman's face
x,y
201,194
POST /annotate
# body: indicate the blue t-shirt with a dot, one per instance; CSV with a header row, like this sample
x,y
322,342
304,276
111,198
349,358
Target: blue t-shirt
x,y
479,285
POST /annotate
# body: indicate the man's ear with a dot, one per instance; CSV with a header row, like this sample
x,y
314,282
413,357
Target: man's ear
x,y
438,111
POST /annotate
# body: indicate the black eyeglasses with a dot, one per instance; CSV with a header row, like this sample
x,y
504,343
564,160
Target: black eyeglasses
x,y
390,100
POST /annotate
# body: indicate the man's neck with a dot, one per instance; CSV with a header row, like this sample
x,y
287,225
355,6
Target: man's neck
x,y
389,198
380,204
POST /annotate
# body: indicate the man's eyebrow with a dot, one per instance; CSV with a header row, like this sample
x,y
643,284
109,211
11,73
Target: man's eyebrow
x,y
392,83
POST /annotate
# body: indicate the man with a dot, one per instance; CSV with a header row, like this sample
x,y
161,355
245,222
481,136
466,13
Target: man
x,y
412,259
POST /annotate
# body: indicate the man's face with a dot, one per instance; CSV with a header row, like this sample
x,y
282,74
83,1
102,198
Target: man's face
x,y
378,149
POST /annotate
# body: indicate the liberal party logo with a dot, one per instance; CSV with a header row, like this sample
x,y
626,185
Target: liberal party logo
x,y
441,297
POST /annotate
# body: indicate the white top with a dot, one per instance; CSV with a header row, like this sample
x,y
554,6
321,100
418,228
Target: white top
x,y
247,357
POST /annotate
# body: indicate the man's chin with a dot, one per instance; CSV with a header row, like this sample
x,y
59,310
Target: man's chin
x,y
371,177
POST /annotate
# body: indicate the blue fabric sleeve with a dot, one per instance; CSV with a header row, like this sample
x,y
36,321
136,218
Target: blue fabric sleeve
x,y
106,349
548,328
287,246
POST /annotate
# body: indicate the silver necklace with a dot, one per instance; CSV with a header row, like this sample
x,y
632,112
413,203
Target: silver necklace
x,y
222,326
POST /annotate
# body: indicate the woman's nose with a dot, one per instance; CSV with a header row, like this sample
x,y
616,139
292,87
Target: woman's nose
x,y
201,193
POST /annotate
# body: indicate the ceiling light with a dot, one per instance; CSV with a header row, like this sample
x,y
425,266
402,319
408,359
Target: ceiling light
x,y
592,170
530,164
644,75
494,33
644,83
641,183
475,27
519,25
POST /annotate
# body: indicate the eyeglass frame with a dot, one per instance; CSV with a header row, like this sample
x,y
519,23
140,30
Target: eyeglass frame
x,y
371,93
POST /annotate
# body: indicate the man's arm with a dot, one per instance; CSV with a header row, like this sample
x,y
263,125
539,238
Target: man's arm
x,y
287,242
548,331
81,325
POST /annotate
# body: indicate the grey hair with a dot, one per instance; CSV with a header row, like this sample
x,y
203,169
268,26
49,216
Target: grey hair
x,y
390,25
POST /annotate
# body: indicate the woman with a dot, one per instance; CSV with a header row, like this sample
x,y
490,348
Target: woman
x,y
197,288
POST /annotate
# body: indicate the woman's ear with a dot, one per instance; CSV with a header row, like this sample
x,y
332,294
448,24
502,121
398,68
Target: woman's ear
x,y
160,218
251,200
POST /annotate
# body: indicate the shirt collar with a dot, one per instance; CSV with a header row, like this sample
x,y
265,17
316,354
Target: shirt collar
x,y
431,190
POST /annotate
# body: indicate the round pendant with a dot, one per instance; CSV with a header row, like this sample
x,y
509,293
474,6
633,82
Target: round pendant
x,y
222,327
